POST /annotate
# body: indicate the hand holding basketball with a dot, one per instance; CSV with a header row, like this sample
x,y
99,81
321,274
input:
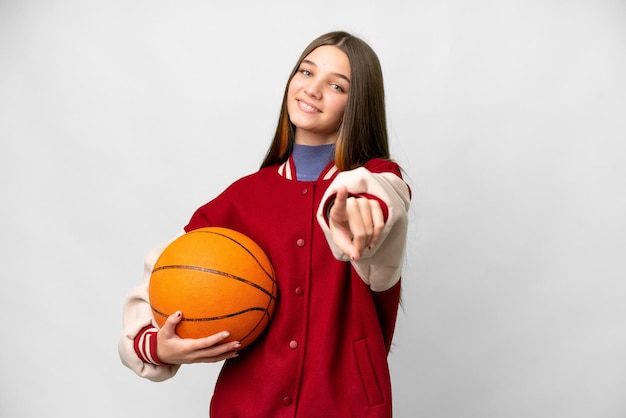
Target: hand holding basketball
x,y
172,349
355,223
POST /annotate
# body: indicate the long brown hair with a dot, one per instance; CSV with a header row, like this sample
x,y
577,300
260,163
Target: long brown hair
x,y
363,130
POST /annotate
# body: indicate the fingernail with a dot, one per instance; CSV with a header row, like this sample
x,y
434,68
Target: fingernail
x,y
225,334
237,345
178,314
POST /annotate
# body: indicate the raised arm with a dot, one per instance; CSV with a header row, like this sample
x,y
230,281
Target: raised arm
x,y
370,233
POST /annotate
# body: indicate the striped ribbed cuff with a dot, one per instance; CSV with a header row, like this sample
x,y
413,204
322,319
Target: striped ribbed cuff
x,y
146,346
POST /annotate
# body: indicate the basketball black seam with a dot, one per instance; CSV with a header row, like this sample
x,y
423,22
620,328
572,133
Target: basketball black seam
x,y
212,318
271,276
218,272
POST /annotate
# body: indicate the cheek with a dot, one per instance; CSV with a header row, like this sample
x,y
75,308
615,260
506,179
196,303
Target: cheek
x,y
339,107
294,86
291,90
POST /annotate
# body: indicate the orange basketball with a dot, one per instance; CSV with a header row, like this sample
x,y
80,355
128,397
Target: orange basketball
x,y
220,280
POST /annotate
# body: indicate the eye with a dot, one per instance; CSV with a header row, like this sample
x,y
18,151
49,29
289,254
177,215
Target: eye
x,y
337,87
305,72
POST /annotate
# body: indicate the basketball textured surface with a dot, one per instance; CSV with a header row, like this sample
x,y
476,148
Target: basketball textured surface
x,y
220,280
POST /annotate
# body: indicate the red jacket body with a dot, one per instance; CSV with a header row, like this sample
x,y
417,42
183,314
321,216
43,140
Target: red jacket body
x,y
324,354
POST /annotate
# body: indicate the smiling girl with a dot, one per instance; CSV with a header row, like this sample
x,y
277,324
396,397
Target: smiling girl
x,y
330,209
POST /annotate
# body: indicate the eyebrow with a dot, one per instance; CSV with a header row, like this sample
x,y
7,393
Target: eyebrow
x,y
335,74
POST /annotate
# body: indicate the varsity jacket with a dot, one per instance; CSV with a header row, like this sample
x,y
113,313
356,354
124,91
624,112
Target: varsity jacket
x,y
324,354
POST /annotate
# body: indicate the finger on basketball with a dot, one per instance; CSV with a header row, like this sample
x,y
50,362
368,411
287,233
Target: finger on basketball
x,y
169,327
218,352
210,341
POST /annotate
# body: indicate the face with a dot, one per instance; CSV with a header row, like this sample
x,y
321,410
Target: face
x,y
318,94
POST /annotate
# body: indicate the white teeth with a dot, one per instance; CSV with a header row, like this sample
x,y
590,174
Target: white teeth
x,y
306,106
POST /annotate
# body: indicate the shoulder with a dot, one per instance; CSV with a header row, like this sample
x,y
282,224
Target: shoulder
x,y
380,165
245,191
254,179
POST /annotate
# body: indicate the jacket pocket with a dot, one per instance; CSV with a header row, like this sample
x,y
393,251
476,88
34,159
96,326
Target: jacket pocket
x,y
368,376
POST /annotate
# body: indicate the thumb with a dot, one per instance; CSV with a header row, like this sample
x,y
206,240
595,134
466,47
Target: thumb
x,y
172,321
339,205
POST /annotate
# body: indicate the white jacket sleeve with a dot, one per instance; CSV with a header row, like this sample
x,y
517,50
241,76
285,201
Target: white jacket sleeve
x,y
381,266
138,315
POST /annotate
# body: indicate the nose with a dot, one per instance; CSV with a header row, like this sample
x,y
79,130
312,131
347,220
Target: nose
x,y
313,89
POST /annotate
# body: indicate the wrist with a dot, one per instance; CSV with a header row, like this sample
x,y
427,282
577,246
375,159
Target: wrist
x,y
146,346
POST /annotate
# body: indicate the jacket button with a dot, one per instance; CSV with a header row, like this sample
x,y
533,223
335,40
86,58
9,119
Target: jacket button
x,y
287,400
299,291
304,191
293,344
300,243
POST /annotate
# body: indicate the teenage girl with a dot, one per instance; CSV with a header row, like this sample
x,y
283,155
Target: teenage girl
x,y
330,209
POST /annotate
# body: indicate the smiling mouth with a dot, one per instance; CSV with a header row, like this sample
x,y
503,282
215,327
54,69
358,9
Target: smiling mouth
x,y
307,107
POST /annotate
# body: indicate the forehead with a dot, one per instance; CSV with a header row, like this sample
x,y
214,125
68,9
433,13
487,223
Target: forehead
x,y
330,58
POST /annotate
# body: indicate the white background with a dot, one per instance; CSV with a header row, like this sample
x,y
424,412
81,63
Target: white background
x,y
119,118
